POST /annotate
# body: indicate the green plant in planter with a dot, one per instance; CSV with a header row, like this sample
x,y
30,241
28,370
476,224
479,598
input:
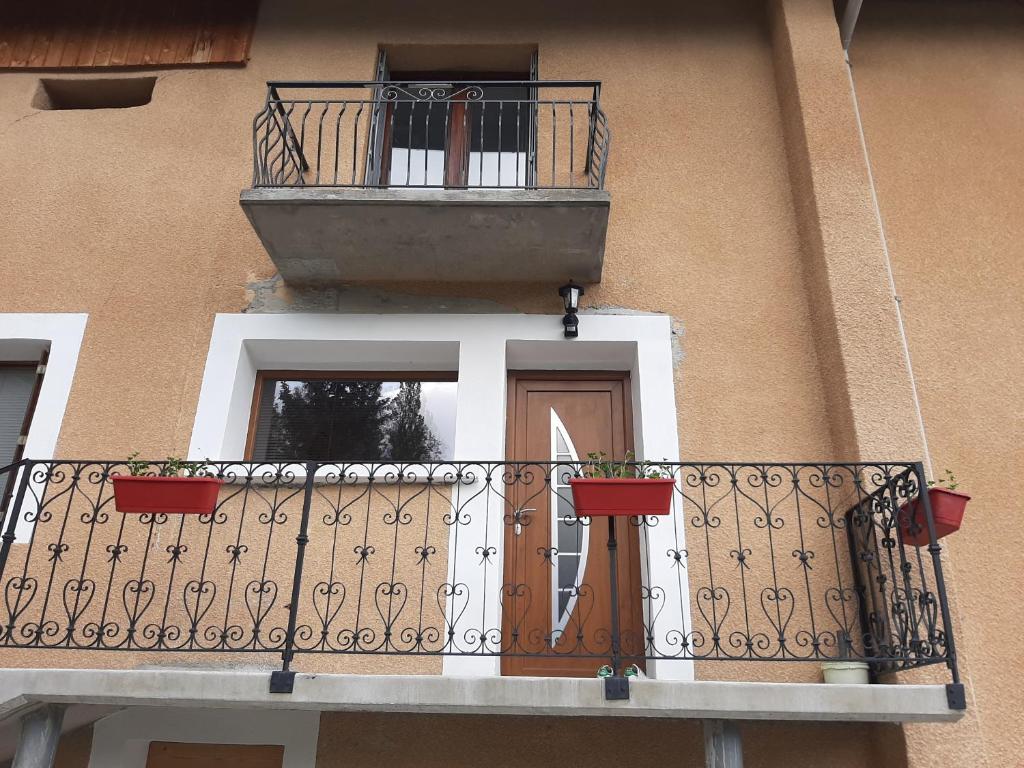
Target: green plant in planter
x,y
600,466
173,467
946,480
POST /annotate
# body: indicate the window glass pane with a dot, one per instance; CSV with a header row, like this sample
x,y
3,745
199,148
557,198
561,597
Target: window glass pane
x,y
419,124
563,605
566,514
354,420
570,537
568,570
500,122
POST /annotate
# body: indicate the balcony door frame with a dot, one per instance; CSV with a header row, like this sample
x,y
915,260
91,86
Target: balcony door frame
x,y
459,134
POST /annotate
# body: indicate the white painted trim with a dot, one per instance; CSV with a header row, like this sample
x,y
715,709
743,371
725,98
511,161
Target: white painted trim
x,y
564,697
122,740
483,349
64,333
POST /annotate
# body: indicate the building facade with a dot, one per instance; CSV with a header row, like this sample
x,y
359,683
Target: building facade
x,y
328,256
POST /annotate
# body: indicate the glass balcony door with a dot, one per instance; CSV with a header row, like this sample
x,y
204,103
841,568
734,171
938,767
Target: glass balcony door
x,y
455,134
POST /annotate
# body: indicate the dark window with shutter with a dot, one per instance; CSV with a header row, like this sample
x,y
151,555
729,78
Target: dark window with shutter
x,y
19,390
17,384
306,416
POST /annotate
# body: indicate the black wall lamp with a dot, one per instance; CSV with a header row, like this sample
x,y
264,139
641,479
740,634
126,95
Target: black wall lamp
x,y
570,293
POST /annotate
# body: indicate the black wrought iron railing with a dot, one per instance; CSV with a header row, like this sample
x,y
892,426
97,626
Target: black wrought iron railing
x,y
467,134
755,562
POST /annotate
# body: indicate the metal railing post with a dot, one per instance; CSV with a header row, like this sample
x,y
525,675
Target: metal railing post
x,y
15,513
955,694
616,686
283,680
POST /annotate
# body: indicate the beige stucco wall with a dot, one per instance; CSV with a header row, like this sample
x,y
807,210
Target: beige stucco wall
x,y
132,215
366,740
724,134
942,101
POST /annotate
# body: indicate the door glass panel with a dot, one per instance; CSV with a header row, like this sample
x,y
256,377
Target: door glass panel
x,y
499,137
418,138
570,539
496,121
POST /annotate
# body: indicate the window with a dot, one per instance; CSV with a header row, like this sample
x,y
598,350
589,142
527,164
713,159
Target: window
x,y
469,122
570,537
332,416
17,384
460,135
19,390
106,93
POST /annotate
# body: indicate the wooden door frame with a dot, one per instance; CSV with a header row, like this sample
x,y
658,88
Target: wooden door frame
x,y
633,539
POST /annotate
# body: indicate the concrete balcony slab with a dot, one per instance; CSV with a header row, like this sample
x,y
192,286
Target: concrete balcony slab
x,y
353,234
27,688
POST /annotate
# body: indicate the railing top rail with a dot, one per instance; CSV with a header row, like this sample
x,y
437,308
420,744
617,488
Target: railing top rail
x,y
307,84
448,462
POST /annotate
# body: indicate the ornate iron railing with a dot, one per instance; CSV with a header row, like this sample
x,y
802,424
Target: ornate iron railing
x,y
468,134
755,562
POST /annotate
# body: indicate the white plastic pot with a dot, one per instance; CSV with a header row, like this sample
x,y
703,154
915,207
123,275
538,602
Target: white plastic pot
x,y
845,672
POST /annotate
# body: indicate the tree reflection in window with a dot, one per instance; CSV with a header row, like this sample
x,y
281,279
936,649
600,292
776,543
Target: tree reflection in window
x,y
333,419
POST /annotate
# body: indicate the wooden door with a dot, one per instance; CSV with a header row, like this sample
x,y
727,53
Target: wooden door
x,y
556,595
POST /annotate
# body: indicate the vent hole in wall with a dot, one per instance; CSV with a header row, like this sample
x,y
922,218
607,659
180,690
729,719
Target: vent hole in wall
x,y
100,93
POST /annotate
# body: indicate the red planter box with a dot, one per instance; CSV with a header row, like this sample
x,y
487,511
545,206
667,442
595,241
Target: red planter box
x,y
947,511
170,495
603,497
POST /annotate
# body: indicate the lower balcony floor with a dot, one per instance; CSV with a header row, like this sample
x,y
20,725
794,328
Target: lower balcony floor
x,y
151,718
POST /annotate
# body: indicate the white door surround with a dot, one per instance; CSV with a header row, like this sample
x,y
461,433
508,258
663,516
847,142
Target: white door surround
x,y
483,349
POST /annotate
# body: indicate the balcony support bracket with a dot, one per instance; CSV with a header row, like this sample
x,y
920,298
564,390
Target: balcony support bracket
x,y
616,689
282,681
956,696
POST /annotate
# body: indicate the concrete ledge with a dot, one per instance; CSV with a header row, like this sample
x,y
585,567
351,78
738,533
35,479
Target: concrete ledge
x,y
25,688
423,196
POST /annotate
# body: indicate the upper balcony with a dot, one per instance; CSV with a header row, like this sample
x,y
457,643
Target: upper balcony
x,y
454,181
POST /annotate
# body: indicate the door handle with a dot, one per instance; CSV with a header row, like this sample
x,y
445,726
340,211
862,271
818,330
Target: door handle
x,y
517,516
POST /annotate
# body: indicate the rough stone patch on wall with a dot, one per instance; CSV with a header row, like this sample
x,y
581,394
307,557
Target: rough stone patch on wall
x,y
273,296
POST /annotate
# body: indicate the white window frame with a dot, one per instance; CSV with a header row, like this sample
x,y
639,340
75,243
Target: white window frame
x,y
63,332
483,349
